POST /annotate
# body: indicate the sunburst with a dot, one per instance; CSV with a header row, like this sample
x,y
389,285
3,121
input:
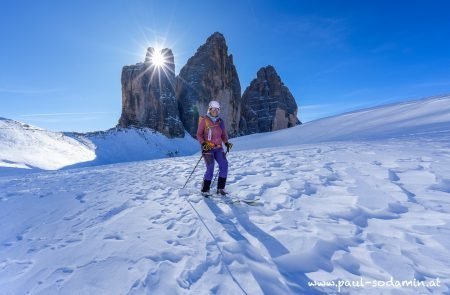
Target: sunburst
x,y
158,59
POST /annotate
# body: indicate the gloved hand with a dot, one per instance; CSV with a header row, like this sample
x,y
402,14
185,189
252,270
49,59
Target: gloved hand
x,y
206,147
229,145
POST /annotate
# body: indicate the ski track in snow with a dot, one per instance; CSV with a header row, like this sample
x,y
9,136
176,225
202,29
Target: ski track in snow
x,y
331,211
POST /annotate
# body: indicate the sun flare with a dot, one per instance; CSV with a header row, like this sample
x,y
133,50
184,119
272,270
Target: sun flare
x,y
158,59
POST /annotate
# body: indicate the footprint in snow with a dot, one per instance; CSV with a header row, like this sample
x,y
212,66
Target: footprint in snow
x,y
81,197
114,236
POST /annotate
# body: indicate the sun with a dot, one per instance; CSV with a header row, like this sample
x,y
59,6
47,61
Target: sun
x,y
158,59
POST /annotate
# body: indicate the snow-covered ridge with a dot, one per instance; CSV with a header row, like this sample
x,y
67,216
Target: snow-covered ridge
x,y
16,123
23,146
133,144
405,119
27,147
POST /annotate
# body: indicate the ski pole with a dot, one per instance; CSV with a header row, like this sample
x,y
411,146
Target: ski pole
x,y
193,171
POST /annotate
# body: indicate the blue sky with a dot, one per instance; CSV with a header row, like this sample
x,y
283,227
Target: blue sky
x,y
61,61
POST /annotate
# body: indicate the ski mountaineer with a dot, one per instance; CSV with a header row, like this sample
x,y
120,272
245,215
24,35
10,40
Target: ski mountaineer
x,y
211,133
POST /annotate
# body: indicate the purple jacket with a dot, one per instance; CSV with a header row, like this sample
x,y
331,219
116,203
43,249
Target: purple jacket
x,y
210,132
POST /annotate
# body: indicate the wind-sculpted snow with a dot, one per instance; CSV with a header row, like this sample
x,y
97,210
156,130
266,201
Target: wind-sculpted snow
x,y
367,210
24,148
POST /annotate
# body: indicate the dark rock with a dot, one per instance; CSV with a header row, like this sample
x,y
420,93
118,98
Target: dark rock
x,y
209,75
148,96
267,104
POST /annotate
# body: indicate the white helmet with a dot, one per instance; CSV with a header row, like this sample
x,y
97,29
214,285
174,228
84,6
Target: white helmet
x,y
214,104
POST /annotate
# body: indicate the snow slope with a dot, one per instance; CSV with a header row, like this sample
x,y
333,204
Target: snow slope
x,y
26,147
133,144
417,117
331,211
366,207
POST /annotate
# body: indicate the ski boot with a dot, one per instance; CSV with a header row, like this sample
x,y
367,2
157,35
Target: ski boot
x,y
205,188
221,186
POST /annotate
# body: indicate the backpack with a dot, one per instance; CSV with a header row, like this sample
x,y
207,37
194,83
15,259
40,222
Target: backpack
x,y
208,126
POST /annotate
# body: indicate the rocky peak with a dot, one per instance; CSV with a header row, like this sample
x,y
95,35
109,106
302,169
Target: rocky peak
x,y
209,75
267,104
166,54
149,55
267,72
148,95
216,39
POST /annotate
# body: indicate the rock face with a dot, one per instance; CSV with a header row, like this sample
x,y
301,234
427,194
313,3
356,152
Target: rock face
x,y
267,104
209,75
153,97
148,96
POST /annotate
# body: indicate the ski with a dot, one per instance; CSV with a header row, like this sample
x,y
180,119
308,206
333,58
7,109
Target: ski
x,y
255,202
233,201
222,200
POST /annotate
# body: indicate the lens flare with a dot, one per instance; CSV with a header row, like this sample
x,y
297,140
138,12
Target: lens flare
x,y
158,59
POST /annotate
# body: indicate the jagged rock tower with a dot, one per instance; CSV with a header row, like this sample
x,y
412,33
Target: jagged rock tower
x,y
209,75
148,95
267,104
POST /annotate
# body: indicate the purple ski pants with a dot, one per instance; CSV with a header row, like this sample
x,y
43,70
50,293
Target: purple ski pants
x,y
219,156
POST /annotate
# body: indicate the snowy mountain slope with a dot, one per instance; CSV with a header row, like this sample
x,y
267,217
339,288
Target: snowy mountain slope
x,y
412,118
24,148
331,211
27,147
133,144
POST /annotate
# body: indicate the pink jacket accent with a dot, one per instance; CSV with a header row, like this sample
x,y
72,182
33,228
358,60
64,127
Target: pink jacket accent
x,y
218,131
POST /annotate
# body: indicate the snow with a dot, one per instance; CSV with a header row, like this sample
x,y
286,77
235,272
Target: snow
x,y
134,144
27,147
337,208
425,116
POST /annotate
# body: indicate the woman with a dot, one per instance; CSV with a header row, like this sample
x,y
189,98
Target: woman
x,y
211,133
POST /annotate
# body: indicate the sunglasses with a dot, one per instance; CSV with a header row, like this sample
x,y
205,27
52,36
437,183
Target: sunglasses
x,y
214,109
